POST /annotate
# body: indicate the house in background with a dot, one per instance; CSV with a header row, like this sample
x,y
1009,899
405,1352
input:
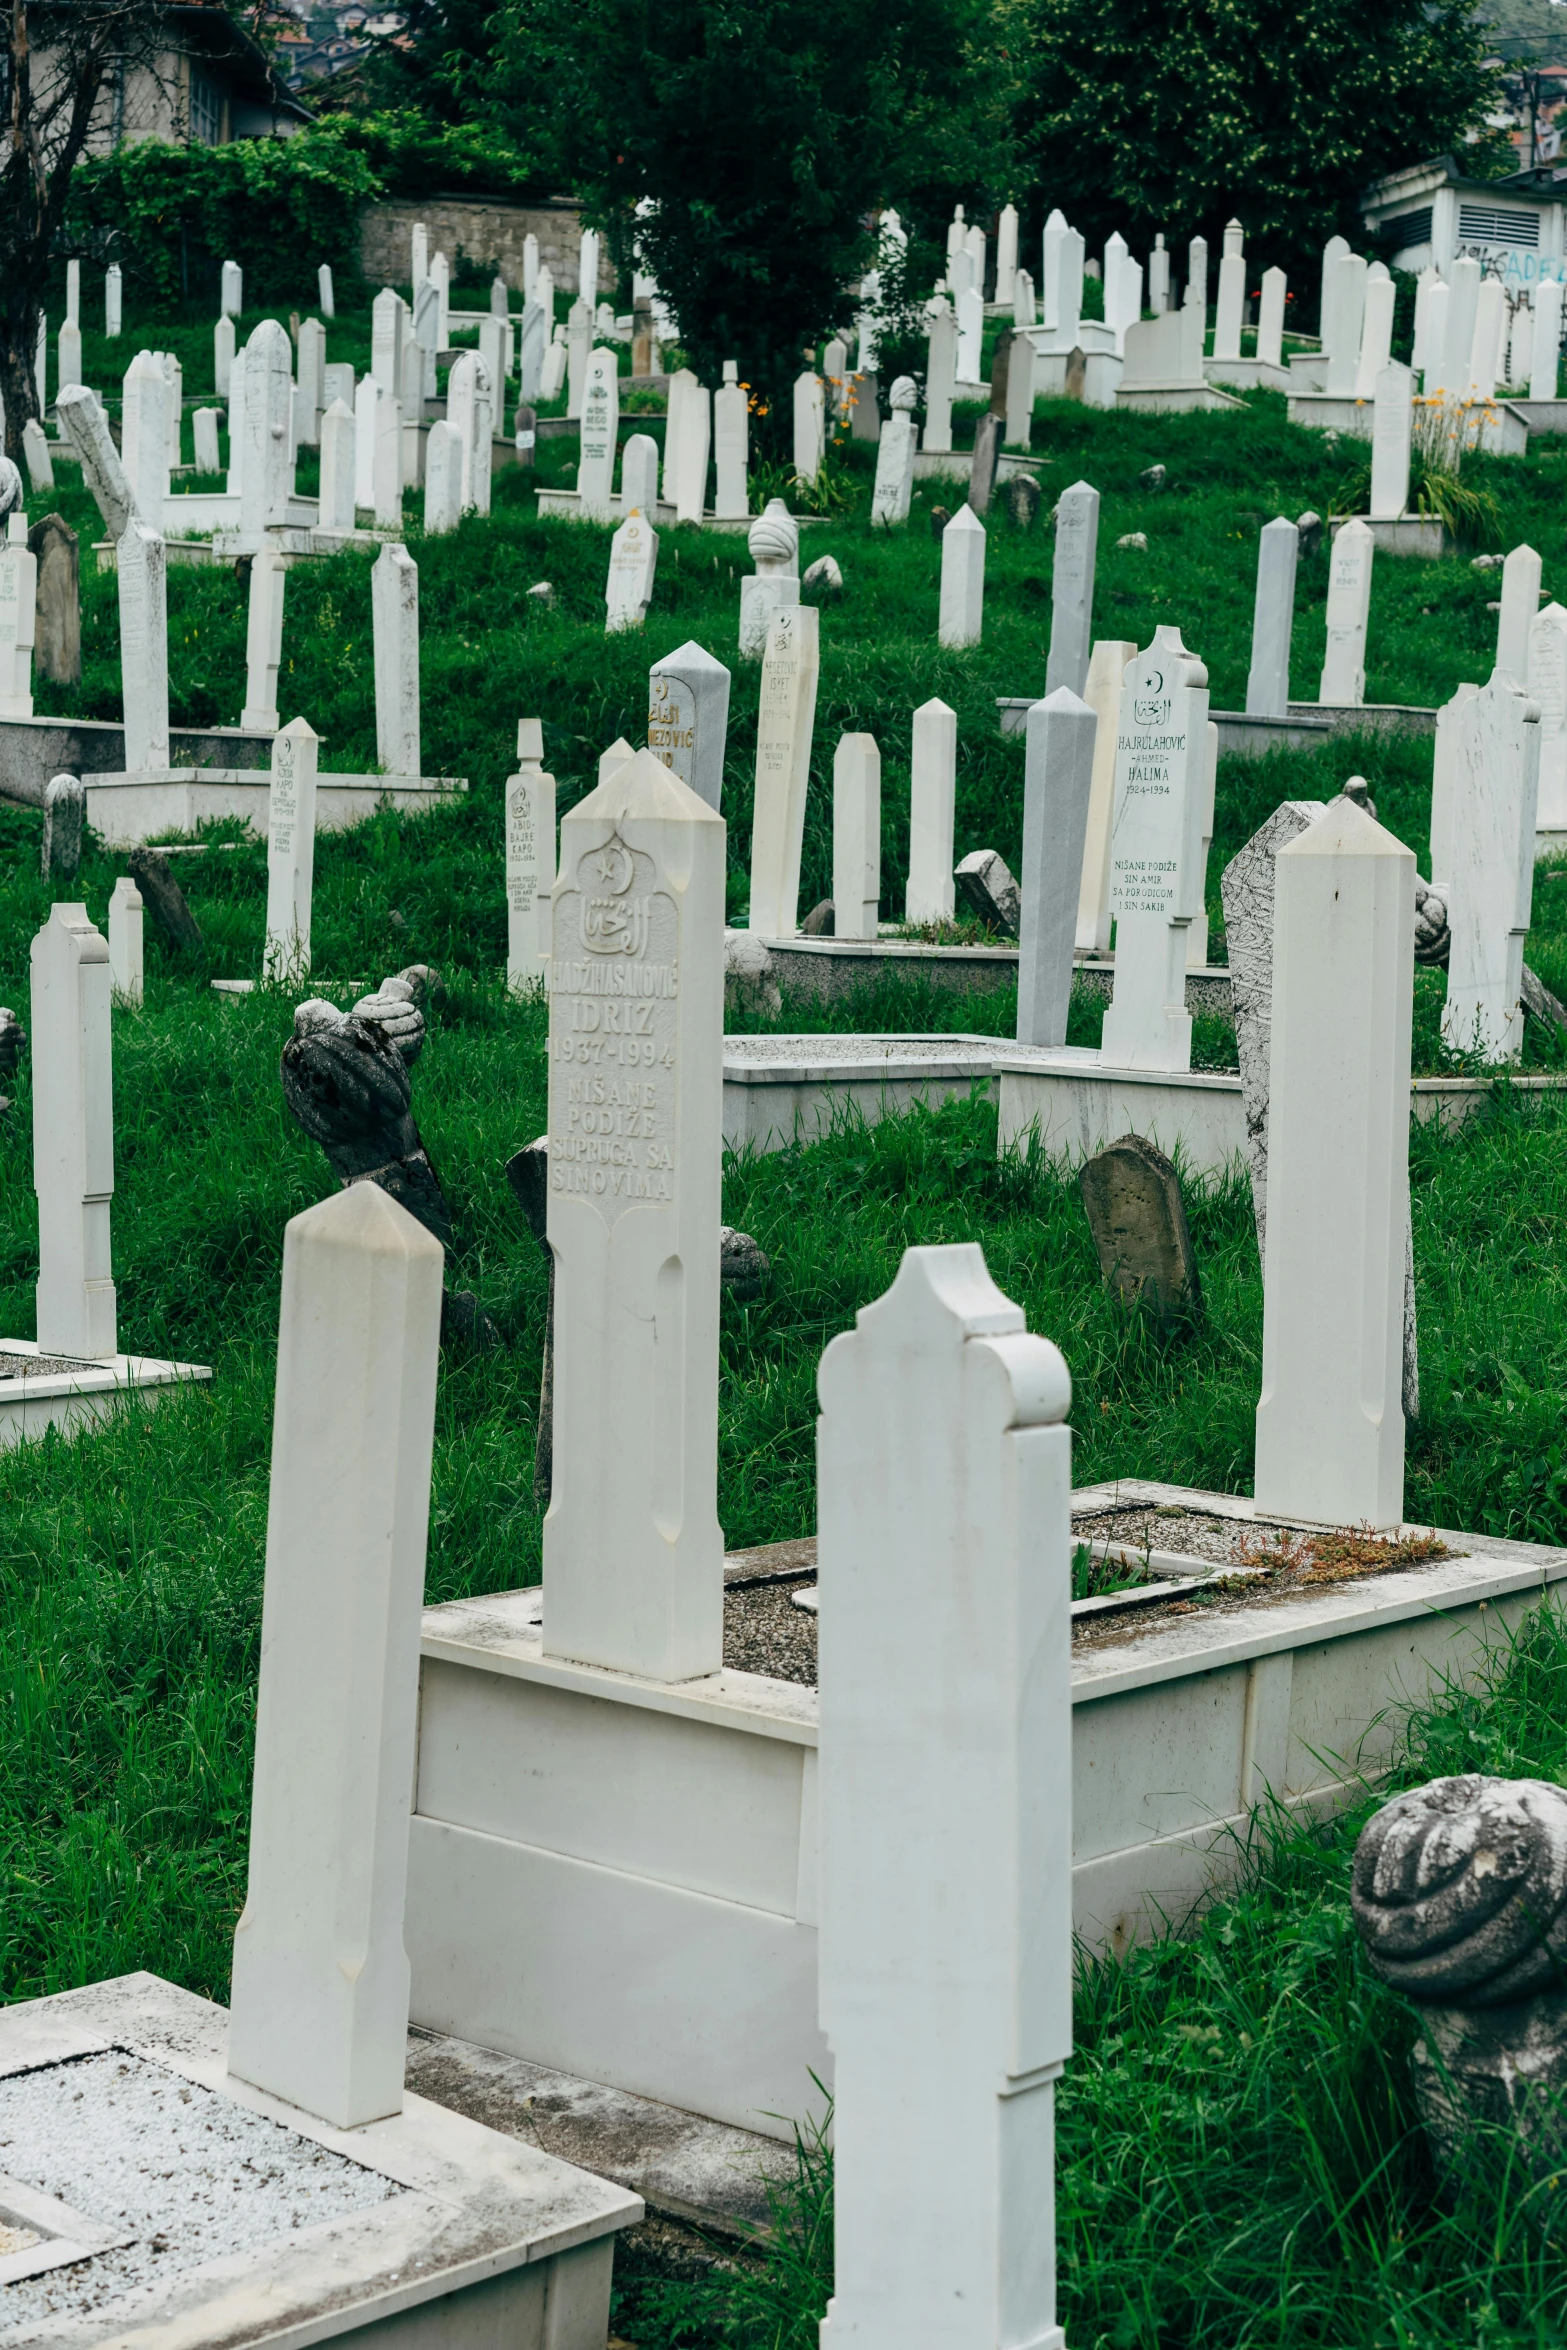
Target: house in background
x,y
206,82
1433,212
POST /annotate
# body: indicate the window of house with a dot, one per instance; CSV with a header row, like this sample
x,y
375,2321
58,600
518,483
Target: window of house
x,y
206,111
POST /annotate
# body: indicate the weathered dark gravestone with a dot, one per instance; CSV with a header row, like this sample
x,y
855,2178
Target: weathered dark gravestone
x,y
164,899
1075,381
13,1043
989,433
1138,1220
65,809
988,890
57,621
1000,373
939,519
1459,1891
821,921
1020,497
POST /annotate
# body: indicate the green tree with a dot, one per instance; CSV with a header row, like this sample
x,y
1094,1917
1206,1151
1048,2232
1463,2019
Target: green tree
x,y
762,136
1181,114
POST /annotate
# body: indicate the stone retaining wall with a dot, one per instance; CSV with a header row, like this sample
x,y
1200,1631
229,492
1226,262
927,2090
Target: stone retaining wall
x,y
483,230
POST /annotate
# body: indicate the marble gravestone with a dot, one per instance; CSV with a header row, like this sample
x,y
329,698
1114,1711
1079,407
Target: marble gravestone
x,y
1057,782
1106,671
932,801
774,542
1273,620
639,475
961,616
731,447
18,609
263,641
1072,588
126,960
1392,440
941,375
810,426
530,861
291,853
988,891
141,568
633,562
1156,854
57,619
633,1560
688,718
394,613
786,721
894,487
1547,681
856,836
1246,890
1349,608
600,432
73,1135
1520,602
1491,845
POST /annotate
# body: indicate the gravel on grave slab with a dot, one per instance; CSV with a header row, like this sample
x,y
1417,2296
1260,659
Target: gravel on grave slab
x,y
764,1632
190,2176
1167,1527
42,1366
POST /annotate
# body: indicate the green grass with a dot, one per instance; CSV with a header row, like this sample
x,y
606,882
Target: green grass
x,y
130,1561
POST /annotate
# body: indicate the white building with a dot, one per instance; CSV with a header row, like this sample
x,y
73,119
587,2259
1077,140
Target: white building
x,y
1431,212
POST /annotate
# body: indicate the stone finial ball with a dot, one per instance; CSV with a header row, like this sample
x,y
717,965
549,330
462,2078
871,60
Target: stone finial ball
x,y
1459,1890
774,537
12,494
904,393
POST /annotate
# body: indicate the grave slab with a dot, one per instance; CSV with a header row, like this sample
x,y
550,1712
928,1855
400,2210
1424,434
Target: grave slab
x,y
39,1391
272,2227
128,809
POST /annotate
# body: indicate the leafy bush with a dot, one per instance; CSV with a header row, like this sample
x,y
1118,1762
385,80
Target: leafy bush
x,y
172,215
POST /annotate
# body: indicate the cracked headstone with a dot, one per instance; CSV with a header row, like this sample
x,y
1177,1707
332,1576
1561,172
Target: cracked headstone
x,y
742,1266
1138,1219
750,979
821,921
988,890
1020,499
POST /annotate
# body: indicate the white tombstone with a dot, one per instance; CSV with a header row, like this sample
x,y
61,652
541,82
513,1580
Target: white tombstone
x,y
427,334
1490,876
976,245
893,494
442,479
1006,252
231,299
312,379
856,836
461,400
125,941
1349,610
1020,392
1429,278
941,375
394,615
1158,278
441,272
1520,603
35,450
70,354
1444,769
785,725
530,861
18,619
1197,274
961,618
688,437
325,299
933,775
1546,347
1350,303
418,257
810,426
1057,784
532,338
588,265
633,1559
222,355
204,431
73,1135
600,432
1273,620
530,265
835,373
339,466
1270,318
731,447
291,853
1232,296
500,297
144,436
1392,441
113,301
365,395
1024,305
267,472
1157,868
1376,330
1547,682
639,474
1072,588
141,567
579,347
633,562
263,641
386,458
1050,262
1485,358
319,2010
946,1808
1438,303
1330,1446
238,435
1106,670
971,333
688,718
387,315
1454,364
1333,252
774,542
495,352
